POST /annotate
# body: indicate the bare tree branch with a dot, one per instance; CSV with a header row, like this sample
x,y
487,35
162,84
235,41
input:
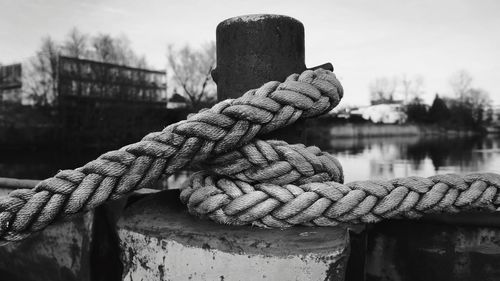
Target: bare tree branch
x,y
412,87
191,70
76,44
382,90
461,83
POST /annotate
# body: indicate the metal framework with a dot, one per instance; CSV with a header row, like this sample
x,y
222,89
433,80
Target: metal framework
x,y
86,78
103,103
10,76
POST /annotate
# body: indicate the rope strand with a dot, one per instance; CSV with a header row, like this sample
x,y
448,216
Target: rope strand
x,y
244,180
226,126
328,203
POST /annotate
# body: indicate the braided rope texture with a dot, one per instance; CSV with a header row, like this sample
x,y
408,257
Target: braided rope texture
x,y
229,200
219,130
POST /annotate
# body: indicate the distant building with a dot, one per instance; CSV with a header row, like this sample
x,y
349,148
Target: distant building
x,y
92,79
382,113
92,102
11,83
494,125
496,114
82,79
385,101
176,101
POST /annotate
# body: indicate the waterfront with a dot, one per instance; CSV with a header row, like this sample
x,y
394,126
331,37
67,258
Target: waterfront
x,y
362,158
391,157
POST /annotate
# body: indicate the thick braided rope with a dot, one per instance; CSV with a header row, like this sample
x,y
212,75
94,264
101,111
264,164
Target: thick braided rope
x,y
226,126
276,162
231,201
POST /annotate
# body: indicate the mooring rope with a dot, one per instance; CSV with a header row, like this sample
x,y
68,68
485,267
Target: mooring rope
x,y
232,201
245,180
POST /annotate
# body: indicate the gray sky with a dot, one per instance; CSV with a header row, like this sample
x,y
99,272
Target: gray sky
x,y
363,39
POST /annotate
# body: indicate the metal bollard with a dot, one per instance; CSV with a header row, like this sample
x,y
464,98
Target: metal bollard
x,y
160,241
254,49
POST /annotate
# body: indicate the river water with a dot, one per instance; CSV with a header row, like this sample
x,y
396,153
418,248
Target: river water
x,y
391,157
397,250
362,158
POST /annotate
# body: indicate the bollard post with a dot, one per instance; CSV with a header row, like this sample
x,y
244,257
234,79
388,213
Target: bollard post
x,y
160,241
254,49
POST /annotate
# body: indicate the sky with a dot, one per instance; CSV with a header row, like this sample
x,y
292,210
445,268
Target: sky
x,y
364,39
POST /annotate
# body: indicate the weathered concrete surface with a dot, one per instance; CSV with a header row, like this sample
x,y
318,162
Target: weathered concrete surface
x,y
428,250
160,241
61,252
84,247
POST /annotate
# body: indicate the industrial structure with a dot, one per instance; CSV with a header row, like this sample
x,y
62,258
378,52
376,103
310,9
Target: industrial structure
x,y
87,101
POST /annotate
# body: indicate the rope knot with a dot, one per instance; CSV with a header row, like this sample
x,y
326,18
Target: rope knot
x,y
245,180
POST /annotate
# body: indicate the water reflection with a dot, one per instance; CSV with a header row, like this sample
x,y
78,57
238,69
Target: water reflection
x,y
362,158
403,250
34,163
390,157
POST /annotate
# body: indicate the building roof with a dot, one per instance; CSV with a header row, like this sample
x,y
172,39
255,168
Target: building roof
x,y
177,98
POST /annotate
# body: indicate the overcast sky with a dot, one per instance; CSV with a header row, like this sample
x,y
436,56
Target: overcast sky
x,y
363,39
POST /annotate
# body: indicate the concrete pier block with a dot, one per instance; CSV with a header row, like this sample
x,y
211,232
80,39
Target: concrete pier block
x,y
61,252
83,247
161,241
432,250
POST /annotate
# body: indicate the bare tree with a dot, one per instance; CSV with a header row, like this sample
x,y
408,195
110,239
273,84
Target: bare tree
x,y
141,62
382,90
76,44
117,50
479,97
41,75
191,72
479,101
124,53
471,101
412,87
461,84
104,49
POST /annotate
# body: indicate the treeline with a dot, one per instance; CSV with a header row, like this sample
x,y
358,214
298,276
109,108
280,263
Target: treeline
x,y
467,107
470,107
102,122
40,72
100,47
188,69
449,112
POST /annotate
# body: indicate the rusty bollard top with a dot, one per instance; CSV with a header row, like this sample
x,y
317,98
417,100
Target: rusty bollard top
x,y
254,49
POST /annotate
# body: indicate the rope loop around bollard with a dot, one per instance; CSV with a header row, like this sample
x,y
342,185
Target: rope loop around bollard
x,y
245,180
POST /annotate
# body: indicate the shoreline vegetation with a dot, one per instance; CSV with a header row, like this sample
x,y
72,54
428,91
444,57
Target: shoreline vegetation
x,y
49,133
322,134
353,130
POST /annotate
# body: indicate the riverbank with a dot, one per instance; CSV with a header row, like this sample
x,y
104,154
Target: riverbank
x,y
379,130
81,125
